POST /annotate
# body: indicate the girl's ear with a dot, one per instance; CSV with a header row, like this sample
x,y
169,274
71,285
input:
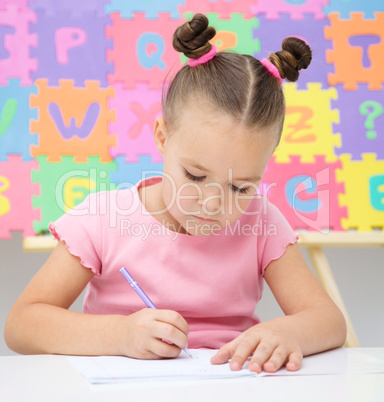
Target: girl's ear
x,y
160,134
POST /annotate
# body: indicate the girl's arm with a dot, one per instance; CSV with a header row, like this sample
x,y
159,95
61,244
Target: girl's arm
x,y
312,322
40,322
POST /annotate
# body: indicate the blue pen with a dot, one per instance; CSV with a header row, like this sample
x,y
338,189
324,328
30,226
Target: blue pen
x,y
143,296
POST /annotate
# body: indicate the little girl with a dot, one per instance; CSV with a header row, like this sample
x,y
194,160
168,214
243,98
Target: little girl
x,y
199,238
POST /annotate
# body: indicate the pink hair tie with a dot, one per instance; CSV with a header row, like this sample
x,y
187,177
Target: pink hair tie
x,y
271,68
204,58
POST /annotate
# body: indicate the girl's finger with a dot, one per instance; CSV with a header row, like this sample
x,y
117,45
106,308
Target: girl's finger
x,y
160,349
173,318
244,349
262,353
224,353
277,359
171,334
294,361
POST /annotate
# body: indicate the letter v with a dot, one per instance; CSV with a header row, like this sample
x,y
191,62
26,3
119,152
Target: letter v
x,y
7,115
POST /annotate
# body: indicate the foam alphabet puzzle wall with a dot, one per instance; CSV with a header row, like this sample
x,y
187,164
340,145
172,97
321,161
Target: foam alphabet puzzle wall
x,y
81,86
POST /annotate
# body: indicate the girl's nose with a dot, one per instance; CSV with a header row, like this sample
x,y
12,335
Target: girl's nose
x,y
211,203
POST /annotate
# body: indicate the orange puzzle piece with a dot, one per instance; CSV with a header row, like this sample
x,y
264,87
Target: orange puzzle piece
x,y
348,59
72,121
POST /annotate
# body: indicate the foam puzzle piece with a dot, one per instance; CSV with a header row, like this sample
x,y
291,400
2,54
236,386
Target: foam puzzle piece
x,y
151,8
15,114
308,125
136,111
364,192
345,8
224,8
16,190
75,7
271,34
296,9
64,185
360,62
72,121
306,193
15,44
150,50
20,4
72,48
128,174
234,34
364,133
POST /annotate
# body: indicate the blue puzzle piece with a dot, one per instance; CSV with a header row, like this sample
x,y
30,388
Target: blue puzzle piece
x,y
15,115
151,8
128,174
345,7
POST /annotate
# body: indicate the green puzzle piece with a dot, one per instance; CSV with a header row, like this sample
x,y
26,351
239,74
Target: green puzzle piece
x,y
65,184
242,28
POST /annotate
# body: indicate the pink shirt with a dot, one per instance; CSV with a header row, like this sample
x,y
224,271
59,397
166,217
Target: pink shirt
x,y
213,281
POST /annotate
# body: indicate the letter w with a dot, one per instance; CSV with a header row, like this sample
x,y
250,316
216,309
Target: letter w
x,y
73,129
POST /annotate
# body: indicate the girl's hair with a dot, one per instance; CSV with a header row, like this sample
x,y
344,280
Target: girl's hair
x,y
235,84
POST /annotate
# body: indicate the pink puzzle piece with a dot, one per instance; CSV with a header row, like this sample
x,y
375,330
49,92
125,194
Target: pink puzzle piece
x,y
148,55
16,190
136,111
20,4
272,8
306,193
17,43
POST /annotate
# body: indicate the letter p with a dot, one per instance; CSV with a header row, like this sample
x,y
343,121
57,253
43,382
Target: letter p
x,y
67,38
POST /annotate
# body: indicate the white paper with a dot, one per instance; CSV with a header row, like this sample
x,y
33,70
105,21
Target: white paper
x,y
116,369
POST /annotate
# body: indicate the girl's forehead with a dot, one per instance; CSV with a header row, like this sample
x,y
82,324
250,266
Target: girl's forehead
x,y
244,152
222,133
205,115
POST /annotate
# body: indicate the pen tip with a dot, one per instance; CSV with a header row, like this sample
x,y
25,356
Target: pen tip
x,y
188,353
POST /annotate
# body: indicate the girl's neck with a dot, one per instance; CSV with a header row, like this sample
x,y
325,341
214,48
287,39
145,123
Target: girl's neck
x,y
152,199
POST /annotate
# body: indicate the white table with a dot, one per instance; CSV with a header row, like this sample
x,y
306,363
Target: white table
x,y
52,378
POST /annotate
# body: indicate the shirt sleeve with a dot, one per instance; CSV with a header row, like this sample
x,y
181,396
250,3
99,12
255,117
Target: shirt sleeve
x,y
278,234
80,229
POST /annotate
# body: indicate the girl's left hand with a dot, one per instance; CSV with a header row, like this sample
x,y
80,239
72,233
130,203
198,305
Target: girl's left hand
x,y
268,348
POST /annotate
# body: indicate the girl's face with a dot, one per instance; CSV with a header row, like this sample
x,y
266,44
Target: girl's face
x,y
212,169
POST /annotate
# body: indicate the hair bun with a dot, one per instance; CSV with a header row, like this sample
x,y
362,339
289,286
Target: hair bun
x,y
294,56
192,38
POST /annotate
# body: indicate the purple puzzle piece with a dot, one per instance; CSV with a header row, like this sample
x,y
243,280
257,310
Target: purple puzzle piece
x,y
75,7
361,122
4,30
72,48
271,34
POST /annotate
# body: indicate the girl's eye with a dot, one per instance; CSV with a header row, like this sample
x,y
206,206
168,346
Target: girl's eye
x,y
242,190
192,177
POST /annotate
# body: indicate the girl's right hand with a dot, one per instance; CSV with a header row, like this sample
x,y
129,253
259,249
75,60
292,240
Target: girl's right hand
x,y
152,334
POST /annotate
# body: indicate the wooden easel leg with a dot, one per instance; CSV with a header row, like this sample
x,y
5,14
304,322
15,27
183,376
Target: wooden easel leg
x,y
324,273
